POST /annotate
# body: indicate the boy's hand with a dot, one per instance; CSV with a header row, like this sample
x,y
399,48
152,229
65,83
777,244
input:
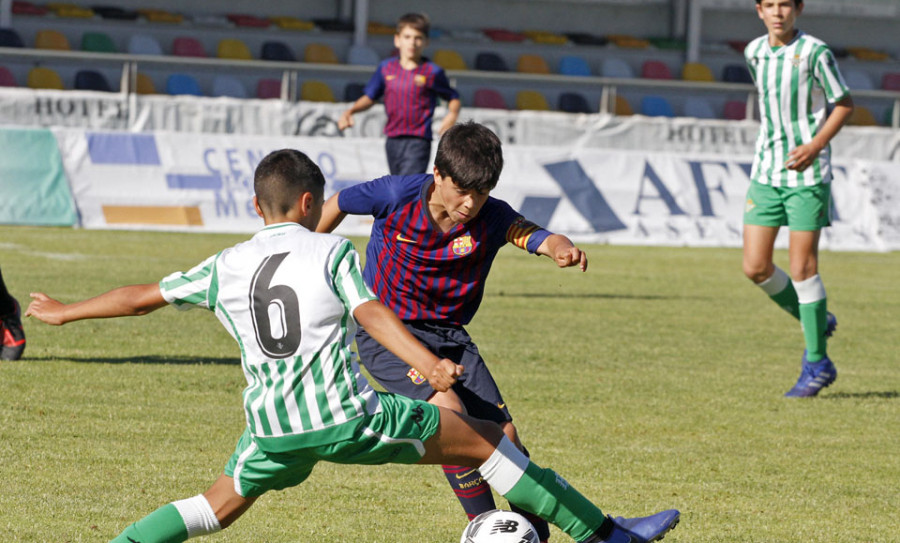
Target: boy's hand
x,y
346,120
571,256
444,374
45,309
801,157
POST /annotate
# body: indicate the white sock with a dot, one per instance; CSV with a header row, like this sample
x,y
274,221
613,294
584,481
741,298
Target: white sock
x,y
777,282
810,290
505,467
198,516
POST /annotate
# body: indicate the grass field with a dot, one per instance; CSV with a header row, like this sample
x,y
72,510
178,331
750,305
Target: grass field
x,y
654,380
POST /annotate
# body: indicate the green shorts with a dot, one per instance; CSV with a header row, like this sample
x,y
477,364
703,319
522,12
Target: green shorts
x,y
800,208
395,435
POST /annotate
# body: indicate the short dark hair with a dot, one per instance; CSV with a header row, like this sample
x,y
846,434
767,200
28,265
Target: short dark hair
x,y
471,155
282,177
796,2
416,21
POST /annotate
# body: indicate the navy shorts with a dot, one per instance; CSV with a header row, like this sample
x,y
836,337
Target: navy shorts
x,y
476,387
408,155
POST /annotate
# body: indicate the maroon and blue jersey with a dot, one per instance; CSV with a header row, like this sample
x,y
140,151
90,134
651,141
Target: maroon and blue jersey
x,y
418,271
410,96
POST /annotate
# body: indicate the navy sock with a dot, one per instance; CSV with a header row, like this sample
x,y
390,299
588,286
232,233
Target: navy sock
x,y
6,301
473,492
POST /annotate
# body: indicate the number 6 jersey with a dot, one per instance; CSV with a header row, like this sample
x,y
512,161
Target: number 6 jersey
x,y
287,297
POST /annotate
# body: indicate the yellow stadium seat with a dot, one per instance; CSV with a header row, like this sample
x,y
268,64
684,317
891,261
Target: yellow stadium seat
x,y
380,29
160,16
622,107
316,91
696,71
531,100
542,36
862,116
292,23
865,53
320,53
532,64
144,85
233,49
44,78
70,10
51,39
628,42
448,60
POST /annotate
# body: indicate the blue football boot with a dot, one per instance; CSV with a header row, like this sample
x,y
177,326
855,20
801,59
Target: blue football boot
x,y
642,529
813,378
830,324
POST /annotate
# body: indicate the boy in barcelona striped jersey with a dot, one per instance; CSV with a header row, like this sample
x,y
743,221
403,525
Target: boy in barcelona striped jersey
x,y
291,299
433,241
795,74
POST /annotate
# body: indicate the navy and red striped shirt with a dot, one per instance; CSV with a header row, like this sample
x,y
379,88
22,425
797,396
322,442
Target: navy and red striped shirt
x,y
410,96
420,272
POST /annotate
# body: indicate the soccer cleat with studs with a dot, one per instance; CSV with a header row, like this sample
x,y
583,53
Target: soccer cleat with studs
x,y
13,334
814,376
640,529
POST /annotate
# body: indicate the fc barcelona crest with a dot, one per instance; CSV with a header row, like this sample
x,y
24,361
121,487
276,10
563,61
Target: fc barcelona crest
x,y
463,245
416,377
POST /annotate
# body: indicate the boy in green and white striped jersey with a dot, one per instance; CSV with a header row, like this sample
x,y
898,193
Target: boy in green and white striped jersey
x,y
291,299
795,74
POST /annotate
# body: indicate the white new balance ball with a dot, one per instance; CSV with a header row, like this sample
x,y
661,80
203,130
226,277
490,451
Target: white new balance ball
x,y
499,526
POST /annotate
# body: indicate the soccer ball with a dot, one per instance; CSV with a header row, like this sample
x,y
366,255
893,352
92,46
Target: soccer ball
x,y
499,526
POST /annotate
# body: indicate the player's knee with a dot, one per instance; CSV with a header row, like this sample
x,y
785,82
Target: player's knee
x,y
510,430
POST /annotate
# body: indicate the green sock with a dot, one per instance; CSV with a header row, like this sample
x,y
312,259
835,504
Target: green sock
x,y
781,290
814,318
546,494
164,525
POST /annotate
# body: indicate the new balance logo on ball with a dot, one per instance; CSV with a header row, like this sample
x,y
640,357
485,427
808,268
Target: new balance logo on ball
x,y
505,526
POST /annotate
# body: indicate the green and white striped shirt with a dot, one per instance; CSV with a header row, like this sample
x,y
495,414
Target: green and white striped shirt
x,y
287,297
793,82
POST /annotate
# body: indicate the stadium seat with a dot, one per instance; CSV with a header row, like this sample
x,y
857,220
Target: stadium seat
x,y
656,106
736,73
363,55
696,71
531,100
545,37
699,108
7,79
858,80
51,39
186,46
654,69
491,62
862,116
144,85
449,60
251,21
617,68
161,16
668,44
71,11
10,38
375,28
268,88
115,13
44,78
572,102
334,25
532,64
586,38
144,44
292,23
316,91
232,48
622,108
97,42
277,51
625,41
320,53
177,84
865,53
27,8
735,110
500,34
891,81
91,80
228,85
211,20
353,91
572,65
488,98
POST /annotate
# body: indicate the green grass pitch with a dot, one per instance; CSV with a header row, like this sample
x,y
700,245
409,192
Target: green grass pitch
x,y
654,380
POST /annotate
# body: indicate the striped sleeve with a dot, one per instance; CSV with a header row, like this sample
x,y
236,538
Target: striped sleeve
x,y
190,289
526,235
826,72
347,278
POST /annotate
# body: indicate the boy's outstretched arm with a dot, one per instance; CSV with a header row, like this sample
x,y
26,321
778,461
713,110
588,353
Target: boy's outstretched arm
x,y
801,157
126,301
331,215
453,107
383,324
563,252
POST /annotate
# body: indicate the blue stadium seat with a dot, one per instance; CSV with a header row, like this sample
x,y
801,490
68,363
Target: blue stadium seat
x,y
363,55
228,85
276,50
736,73
143,44
572,102
572,65
91,80
182,84
353,91
616,67
656,106
699,108
491,62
